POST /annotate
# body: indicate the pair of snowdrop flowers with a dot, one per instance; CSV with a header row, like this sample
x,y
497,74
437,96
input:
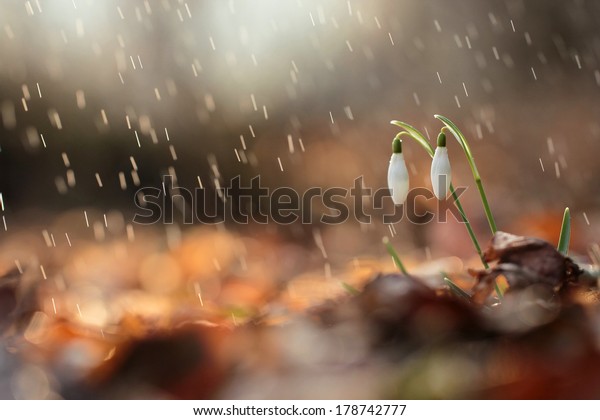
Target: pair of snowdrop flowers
x,y
398,173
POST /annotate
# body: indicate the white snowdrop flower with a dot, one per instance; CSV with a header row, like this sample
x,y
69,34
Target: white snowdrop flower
x,y
398,174
440,169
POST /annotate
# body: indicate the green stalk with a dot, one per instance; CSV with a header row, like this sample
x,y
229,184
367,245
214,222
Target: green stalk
x,y
462,141
463,216
486,206
415,134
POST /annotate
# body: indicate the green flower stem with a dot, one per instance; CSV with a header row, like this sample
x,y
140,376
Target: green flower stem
x,y
473,238
486,206
462,141
463,216
416,135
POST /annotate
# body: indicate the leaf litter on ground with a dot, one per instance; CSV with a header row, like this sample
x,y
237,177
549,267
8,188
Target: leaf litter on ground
x,y
374,334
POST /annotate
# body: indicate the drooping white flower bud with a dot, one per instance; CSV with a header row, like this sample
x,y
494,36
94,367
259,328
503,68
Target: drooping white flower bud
x,y
398,174
441,175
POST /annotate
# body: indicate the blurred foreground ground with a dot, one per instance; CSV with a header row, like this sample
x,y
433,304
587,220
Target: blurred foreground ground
x,y
207,314
101,98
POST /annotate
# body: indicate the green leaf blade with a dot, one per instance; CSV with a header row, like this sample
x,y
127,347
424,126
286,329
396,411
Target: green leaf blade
x,y
350,289
394,255
457,290
565,233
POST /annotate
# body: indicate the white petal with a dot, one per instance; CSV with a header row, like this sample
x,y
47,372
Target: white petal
x,y
398,178
441,175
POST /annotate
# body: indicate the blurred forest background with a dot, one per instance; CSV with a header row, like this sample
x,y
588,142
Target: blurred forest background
x,y
83,81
